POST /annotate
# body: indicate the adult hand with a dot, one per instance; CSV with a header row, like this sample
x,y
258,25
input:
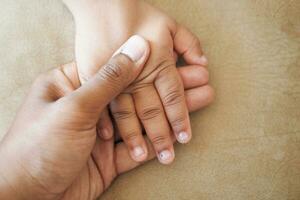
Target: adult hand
x,y
52,150
156,100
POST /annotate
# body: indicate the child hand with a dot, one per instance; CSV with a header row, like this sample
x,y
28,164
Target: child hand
x,y
156,98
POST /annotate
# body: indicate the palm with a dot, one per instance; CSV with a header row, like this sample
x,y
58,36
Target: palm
x,y
105,163
75,161
82,158
97,174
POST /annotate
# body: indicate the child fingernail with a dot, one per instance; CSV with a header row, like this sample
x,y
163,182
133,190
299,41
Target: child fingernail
x,y
135,48
138,152
183,137
166,157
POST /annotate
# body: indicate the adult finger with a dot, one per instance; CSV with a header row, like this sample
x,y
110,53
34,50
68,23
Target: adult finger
x,y
113,77
193,76
200,97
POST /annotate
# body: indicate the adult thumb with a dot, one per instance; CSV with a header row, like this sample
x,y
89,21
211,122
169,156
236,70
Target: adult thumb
x,y
112,78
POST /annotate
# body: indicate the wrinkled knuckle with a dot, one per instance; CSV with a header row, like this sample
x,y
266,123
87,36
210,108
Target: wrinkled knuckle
x,y
166,66
131,136
123,114
111,71
136,88
173,97
150,113
159,140
178,123
118,70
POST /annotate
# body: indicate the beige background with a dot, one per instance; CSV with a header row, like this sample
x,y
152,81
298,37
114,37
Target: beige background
x,y
246,145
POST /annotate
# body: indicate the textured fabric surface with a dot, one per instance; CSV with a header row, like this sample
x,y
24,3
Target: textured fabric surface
x,y
245,146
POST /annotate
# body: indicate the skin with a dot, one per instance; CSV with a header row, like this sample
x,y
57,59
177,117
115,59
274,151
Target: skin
x,y
155,101
53,149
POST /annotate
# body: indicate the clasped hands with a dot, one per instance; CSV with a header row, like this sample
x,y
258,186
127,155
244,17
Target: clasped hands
x,y
61,145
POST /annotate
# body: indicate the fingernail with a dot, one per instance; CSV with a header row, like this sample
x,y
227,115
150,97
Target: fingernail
x,y
165,157
134,48
138,152
203,60
183,137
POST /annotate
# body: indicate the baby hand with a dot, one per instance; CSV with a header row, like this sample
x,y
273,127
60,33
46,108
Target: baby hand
x,y
156,99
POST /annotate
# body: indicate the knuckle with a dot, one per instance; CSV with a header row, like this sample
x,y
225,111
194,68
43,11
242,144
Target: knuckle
x,y
111,71
178,123
117,71
165,66
136,88
121,66
173,97
123,114
131,136
150,113
159,140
